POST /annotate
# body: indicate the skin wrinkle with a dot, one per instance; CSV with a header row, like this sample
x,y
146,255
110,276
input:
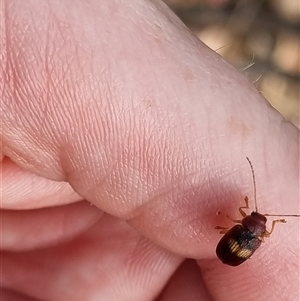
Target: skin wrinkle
x,y
23,190
170,216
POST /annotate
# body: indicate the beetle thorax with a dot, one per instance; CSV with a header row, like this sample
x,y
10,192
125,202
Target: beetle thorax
x,y
255,223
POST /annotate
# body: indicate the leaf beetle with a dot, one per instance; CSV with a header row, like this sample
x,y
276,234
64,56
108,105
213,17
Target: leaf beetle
x,y
240,242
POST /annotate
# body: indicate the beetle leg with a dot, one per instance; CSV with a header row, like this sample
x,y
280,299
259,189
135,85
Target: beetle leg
x,y
223,229
242,212
237,221
268,233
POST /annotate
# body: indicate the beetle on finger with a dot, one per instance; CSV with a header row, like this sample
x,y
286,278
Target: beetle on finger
x,y
240,242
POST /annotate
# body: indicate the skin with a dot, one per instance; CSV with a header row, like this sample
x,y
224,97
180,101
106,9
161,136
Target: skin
x,y
122,135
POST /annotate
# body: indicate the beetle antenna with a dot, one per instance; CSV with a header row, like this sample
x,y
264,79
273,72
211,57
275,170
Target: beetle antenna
x,y
293,215
254,184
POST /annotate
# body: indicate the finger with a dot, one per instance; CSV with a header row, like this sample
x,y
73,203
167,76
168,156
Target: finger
x,y
21,189
31,229
137,160
165,154
110,261
186,284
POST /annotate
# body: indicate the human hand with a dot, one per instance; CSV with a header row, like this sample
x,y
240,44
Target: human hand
x,y
122,104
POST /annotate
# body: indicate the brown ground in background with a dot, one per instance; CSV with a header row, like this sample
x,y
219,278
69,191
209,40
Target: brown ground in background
x,y
261,38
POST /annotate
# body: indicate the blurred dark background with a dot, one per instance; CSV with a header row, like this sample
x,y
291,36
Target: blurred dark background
x,y
260,38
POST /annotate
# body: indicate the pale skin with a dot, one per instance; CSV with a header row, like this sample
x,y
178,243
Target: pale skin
x,y
122,106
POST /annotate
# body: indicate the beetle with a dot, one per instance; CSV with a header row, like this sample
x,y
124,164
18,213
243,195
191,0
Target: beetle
x,y
242,240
